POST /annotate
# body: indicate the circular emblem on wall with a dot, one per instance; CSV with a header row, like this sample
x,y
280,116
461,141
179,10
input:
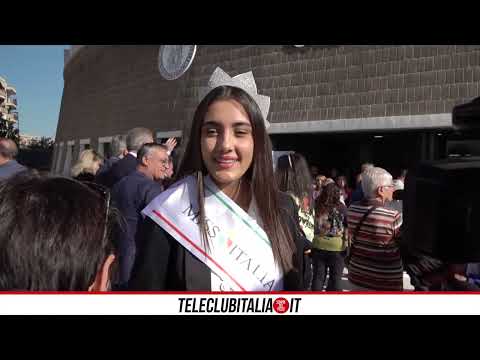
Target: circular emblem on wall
x,y
174,60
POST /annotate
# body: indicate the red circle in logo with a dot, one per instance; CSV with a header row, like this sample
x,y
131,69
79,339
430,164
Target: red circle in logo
x,y
281,305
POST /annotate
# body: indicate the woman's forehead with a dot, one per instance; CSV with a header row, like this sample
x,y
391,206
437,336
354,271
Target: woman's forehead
x,y
226,111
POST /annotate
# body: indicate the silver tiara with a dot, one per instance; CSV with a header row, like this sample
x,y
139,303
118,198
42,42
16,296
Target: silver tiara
x,y
243,81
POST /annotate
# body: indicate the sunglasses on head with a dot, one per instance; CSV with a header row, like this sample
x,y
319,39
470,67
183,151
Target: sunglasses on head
x,y
104,193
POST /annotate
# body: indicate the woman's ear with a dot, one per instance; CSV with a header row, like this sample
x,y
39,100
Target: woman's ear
x,y
380,191
102,278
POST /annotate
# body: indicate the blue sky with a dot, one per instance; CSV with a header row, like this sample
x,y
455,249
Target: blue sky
x,y
36,72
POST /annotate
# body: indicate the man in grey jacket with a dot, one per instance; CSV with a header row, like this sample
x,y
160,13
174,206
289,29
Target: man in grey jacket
x,y
8,165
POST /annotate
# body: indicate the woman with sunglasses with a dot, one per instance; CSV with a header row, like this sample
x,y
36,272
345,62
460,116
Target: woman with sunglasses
x,y
223,226
54,235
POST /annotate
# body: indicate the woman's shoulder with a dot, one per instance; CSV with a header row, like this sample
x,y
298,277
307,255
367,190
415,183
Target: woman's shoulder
x,y
85,176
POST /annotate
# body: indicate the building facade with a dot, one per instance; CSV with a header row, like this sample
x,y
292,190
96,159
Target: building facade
x,y
339,105
25,140
8,102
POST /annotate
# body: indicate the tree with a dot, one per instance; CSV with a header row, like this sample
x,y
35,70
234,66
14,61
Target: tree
x,y
45,143
37,154
9,130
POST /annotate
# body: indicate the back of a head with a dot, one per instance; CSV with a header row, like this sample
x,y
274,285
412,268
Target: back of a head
x,y
372,179
119,144
51,234
366,166
328,199
293,175
86,162
136,137
8,148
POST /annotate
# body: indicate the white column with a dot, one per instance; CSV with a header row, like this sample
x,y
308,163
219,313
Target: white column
x,y
101,141
83,142
68,158
59,158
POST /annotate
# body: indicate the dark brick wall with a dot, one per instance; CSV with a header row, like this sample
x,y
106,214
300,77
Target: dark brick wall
x,y
110,89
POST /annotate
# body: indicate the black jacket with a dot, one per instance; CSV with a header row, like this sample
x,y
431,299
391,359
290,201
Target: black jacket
x,y
163,264
84,176
130,196
119,170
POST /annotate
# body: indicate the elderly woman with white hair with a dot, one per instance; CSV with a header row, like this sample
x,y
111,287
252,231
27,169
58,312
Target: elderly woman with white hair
x,y
375,262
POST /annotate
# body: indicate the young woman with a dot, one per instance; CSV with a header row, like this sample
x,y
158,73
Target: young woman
x,y
224,226
330,239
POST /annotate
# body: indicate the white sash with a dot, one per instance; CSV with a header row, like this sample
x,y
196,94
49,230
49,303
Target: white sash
x,y
240,252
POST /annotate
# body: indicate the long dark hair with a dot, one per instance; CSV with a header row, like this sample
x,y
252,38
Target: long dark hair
x,y
328,199
260,173
292,175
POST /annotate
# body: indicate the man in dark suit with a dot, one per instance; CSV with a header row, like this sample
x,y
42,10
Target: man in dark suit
x,y
135,139
131,195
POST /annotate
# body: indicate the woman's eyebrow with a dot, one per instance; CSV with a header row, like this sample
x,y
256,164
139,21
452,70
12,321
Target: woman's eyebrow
x,y
217,124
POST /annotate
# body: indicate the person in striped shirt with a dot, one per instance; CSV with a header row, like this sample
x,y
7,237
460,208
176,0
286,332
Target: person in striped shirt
x,y
375,261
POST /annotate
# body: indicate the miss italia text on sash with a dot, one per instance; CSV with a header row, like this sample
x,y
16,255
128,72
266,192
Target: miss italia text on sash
x,y
240,254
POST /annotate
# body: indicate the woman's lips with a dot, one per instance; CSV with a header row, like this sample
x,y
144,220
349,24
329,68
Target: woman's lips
x,y
226,163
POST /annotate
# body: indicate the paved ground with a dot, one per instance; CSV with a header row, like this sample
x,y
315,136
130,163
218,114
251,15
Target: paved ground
x,y
347,286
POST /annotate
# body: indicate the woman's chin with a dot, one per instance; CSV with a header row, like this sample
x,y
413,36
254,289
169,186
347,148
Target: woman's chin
x,y
223,178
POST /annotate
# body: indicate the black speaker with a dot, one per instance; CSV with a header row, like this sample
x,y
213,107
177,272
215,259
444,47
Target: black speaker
x,y
441,209
466,116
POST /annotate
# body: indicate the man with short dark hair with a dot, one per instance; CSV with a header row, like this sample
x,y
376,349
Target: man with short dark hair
x,y
8,165
131,195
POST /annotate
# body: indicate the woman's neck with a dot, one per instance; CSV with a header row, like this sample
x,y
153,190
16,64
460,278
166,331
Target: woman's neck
x,y
239,192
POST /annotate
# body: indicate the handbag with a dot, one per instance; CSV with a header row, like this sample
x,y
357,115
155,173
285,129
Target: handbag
x,y
349,248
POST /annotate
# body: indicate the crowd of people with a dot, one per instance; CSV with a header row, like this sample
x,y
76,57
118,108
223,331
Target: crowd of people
x,y
224,218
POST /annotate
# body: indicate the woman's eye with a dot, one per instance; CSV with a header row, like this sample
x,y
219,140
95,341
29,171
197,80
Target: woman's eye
x,y
211,132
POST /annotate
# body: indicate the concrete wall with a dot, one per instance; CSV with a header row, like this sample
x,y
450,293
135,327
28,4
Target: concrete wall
x,y
110,89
